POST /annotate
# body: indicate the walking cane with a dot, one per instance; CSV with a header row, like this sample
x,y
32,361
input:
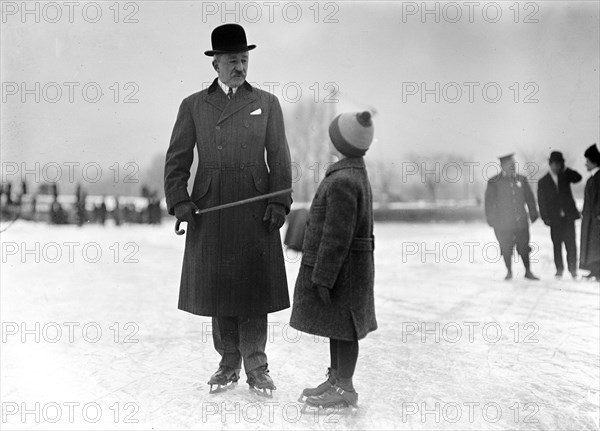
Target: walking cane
x,y
179,231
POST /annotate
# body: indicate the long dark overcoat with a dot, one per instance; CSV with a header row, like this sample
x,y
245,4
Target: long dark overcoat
x,y
590,225
232,266
338,253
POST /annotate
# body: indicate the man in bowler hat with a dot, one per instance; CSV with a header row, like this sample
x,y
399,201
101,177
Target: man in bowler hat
x,y
233,265
506,197
590,223
558,210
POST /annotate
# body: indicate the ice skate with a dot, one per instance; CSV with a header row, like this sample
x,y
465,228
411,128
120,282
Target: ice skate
x,y
321,389
334,398
225,378
260,382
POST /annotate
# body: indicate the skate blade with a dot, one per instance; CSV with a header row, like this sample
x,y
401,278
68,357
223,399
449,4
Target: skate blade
x,y
221,388
328,410
265,392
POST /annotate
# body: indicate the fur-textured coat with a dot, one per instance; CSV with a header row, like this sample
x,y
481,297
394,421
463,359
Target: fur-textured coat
x,y
338,254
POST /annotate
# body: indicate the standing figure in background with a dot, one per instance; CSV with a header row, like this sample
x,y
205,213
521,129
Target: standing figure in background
x,y
80,204
590,225
102,211
558,210
506,197
117,212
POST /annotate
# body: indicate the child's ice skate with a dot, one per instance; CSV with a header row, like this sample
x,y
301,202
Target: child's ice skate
x,y
334,398
260,382
225,378
322,388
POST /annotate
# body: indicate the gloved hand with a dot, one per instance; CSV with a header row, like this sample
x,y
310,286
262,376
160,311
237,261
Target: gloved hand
x,y
324,294
274,216
185,211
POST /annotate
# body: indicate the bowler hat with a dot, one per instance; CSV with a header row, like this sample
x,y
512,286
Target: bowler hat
x,y
228,39
593,154
556,156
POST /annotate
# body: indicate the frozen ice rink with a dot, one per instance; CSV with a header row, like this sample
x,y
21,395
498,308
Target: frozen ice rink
x,y
92,338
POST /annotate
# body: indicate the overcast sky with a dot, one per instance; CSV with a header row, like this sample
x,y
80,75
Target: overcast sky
x,y
377,54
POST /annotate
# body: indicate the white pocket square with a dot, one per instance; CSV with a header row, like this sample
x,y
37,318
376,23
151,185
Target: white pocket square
x,y
256,112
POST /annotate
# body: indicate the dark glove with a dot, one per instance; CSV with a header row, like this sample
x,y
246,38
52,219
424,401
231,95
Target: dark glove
x,y
185,211
324,294
274,216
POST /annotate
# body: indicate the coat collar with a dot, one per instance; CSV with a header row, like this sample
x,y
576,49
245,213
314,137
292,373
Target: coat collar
x,y
347,163
243,97
215,85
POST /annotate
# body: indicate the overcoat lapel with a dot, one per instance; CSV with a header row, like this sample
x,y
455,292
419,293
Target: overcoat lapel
x,y
216,97
242,98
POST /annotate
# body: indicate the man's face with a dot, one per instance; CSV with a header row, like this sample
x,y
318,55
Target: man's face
x,y
556,167
508,166
232,68
589,164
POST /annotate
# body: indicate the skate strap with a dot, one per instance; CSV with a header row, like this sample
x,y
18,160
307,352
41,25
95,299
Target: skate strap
x,y
348,396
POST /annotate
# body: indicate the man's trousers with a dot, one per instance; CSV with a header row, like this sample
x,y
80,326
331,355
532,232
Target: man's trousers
x,y
239,338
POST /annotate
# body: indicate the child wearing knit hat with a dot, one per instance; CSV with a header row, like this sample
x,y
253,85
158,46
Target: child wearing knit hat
x,y
333,296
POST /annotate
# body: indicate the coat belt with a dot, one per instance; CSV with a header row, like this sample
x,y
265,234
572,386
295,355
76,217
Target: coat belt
x,y
363,244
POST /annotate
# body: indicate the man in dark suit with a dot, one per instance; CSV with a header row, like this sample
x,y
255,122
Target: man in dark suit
x,y
506,196
233,265
558,210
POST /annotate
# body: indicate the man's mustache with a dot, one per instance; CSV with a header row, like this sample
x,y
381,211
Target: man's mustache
x,y
238,75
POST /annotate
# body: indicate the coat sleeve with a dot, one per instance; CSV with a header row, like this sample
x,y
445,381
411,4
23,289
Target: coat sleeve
x,y
530,200
491,199
180,156
278,156
543,202
595,195
338,233
572,176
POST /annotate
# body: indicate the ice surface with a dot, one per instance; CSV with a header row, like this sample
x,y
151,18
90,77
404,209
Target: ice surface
x,y
149,367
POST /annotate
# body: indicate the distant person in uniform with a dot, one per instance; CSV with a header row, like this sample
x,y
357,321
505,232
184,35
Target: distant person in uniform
x,y
506,198
590,225
558,210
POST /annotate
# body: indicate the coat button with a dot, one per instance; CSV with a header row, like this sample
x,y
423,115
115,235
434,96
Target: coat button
x,y
218,127
244,145
220,147
241,166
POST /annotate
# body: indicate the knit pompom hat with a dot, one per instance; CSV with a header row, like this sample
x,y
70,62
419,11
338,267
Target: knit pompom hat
x,y
352,133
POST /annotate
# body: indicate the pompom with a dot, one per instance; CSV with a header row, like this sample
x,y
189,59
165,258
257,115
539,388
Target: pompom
x,y
364,118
